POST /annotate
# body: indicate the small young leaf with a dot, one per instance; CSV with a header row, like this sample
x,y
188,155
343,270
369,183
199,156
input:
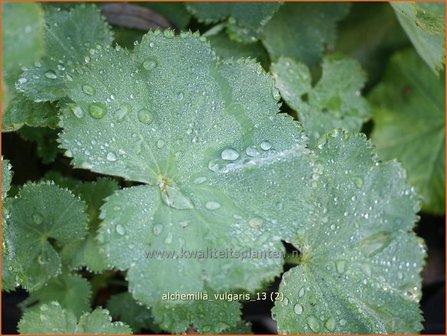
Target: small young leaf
x,y
45,139
123,307
245,21
70,290
23,111
424,24
303,30
360,259
71,38
204,316
334,102
408,113
38,223
53,319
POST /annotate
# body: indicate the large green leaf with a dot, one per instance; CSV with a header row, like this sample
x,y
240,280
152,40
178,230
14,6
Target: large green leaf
x,y
359,263
303,30
244,21
334,102
38,225
70,290
408,113
71,37
53,319
424,24
130,128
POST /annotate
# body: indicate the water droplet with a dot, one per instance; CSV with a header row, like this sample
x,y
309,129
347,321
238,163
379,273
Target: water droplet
x,y
160,143
298,309
157,229
256,222
111,156
330,324
265,145
184,223
168,239
88,90
200,180
180,96
375,243
301,292
358,181
50,74
37,218
97,110
122,111
252,151
212,205
44,307
120,230
145,117
286,301
213,166
313,323
340,265
229,154
342,322
150,64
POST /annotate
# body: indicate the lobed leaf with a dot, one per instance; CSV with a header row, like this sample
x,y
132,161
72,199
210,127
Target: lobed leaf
x,y
334,102
72,291
71,37
408,113
359,263
53,319
38,225
244,21
424,24
45,140
303,30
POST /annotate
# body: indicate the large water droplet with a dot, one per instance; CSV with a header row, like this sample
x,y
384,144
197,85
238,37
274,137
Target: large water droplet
x,y
145,117
97,110
37,218
212,205
265,145
150,64
123,111
313,323
330,324
251,151
340,265
229,154
111,156
88,90
77,111
50,74
375,243
298,309
120,230
301,292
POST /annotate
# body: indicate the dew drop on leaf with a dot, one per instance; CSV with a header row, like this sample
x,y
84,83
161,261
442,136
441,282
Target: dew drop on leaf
x,y
340,265
330,324
157,229
111,156
200,180
265,145
37,218
298,309
97,110
313,323
252,151
50,74
212,205
229,154
145,117
123,111
88,90
301,292
150,64
120,230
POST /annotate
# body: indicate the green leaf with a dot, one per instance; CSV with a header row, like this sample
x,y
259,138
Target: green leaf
x,y
424,24
45,139
53,319
227,48
38,225
129,128
408,113
303,30
204,316
359,263
124,308
6,177
23,111
71,37
244,21
70,290
333,102
87,252
22,34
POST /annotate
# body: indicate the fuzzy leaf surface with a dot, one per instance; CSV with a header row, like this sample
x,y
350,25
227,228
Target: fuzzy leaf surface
x,y
334,102
244,21
38,225
53,319
70,39
181,206
408,113
360,262
303,30
424,24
